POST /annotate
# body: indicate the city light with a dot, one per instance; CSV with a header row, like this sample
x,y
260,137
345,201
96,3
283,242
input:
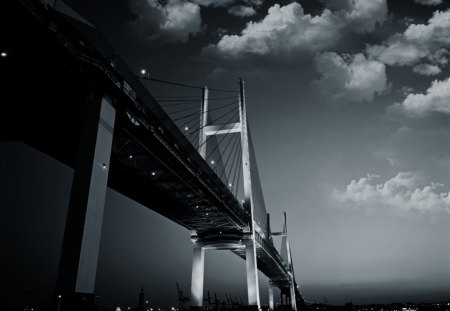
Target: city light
x,y
4,54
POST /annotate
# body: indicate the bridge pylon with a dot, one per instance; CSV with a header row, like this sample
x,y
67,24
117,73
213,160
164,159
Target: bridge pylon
x,y
247,239
288,288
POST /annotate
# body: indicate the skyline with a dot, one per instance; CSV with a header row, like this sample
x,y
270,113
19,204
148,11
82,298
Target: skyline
x,y
349,107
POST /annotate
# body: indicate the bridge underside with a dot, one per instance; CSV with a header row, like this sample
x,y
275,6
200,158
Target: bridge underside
x,y
53,67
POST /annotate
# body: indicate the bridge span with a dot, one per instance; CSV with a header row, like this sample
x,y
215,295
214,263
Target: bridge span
x,y
71,96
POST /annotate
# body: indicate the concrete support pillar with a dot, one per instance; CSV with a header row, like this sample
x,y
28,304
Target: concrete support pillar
x,y
81,244
198,273
252,273
292,291
271,304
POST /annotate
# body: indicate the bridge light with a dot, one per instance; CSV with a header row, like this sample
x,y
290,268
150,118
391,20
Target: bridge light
x,y
4,54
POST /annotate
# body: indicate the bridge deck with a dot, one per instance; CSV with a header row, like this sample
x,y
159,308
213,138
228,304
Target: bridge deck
x,y
152,162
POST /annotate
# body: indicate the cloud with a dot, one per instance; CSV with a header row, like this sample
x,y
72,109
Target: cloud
x,y
241,11
287,30
419,41
359,15
427,69
436,99
429,2
214,3
173,22
404,192
349,78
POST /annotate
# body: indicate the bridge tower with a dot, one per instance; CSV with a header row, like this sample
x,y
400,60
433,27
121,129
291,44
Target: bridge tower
x,y
248,240
289,287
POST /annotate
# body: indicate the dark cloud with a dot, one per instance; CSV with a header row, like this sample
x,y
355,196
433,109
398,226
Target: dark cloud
x,y
174,21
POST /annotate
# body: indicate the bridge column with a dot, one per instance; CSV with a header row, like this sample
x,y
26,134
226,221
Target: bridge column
x,y
252,273
81,244
198,272
293,298
271,306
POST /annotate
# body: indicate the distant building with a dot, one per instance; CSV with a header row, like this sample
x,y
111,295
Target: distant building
x,y
142,303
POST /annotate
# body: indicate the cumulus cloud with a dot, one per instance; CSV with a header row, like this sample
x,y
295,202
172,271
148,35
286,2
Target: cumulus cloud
x,y
360,15
404,192
173,22
287,30
349,78
241,10
419,41
436,99
427,69
429,2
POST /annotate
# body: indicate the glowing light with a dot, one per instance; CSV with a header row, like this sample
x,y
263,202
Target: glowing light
x,y
186,128
4,54
131,157
143,71
212,162
59,296
153,173
229,185
206,214
104,166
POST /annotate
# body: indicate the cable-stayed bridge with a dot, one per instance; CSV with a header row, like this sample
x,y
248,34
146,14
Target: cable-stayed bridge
x,y
188,157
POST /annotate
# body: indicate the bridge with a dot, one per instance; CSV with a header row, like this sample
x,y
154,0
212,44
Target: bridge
x,y
69,95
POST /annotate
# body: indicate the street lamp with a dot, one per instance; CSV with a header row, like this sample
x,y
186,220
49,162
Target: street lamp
x,y
59,301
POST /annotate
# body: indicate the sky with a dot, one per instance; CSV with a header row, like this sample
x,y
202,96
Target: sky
x,y
349,106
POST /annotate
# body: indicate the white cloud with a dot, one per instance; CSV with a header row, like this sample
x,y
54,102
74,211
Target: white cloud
x,y
404,192
175,21
417,42
350,78
287,30
429,2
241,11
427,69
435,99
360,15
